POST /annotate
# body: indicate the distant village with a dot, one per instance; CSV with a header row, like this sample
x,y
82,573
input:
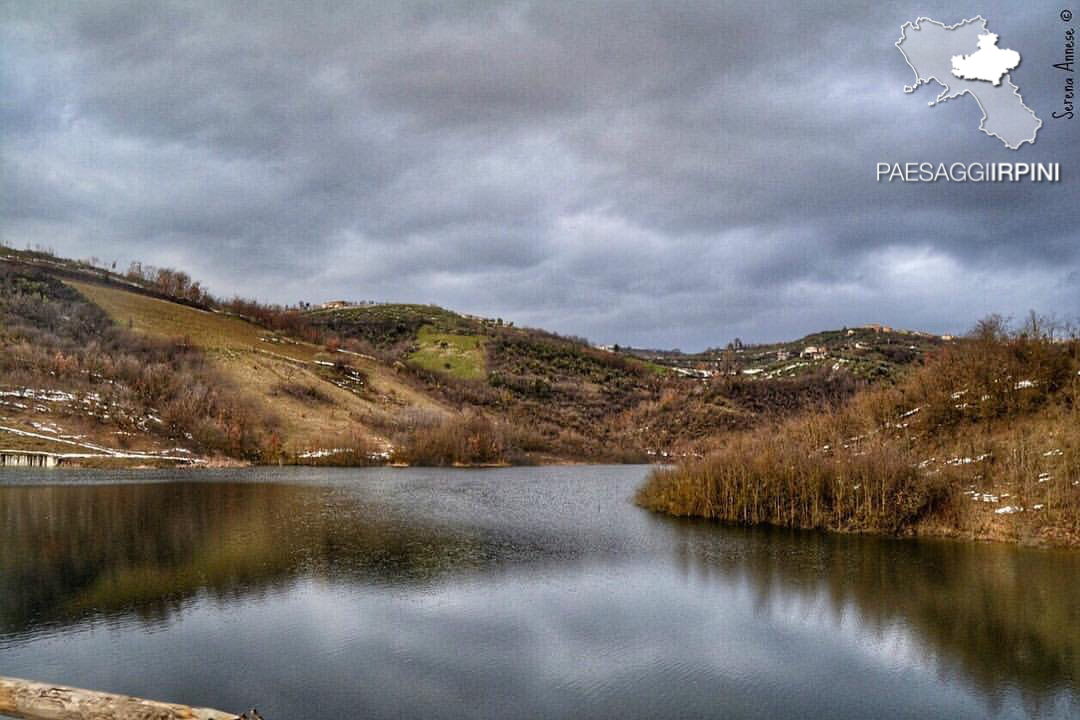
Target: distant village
x,y
861,347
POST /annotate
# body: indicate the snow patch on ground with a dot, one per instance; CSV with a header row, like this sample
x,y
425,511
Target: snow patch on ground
x,y
99,450
325,452
982,497
328,452
39,394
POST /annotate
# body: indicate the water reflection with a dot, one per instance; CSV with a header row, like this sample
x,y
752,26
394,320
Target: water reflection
x,y
519,592
1007,616
72,550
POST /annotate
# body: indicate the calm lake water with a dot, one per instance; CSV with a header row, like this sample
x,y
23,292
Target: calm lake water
x,y
527,592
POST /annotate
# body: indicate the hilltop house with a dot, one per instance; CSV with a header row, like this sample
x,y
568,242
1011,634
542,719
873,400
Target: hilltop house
x,y
814,352
335,305
877,327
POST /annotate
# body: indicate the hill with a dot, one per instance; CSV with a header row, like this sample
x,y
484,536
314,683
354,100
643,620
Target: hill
x,y
870,352
982,441
92,344
555,394
240,380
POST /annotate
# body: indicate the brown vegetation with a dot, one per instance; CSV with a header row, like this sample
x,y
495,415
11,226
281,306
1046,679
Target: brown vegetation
x,y
460,440
983,440
54,339
271,383
306,393
365,397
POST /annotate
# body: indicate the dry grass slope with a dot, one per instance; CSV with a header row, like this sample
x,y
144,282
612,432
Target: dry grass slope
x,y
74,383
984,441
350,413
208,330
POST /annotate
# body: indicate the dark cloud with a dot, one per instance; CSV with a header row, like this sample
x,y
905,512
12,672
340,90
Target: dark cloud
x,y
660,173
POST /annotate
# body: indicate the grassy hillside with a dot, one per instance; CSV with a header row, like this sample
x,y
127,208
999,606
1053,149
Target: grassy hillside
x,y
982,441
419,383
73,382
167,319
551,395
320,401
459,356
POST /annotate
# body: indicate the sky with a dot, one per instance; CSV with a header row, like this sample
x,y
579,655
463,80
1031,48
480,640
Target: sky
x,y
662,174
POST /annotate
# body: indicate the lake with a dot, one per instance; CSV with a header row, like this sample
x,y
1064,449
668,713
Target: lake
x,y
523,592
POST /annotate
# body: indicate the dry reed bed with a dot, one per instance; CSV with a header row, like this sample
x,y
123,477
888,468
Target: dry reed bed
x,y
983,440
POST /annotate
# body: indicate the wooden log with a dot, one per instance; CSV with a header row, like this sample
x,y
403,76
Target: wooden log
x,y
41,701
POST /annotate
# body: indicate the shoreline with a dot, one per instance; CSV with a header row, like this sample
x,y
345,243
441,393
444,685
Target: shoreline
x,y
1048,537
64,462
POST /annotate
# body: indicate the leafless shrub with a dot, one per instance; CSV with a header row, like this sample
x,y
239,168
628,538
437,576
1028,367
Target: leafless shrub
x,y
459,440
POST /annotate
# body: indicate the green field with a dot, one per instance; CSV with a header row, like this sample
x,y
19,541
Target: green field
x,y
459,356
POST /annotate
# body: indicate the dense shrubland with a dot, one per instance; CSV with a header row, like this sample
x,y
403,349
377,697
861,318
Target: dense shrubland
x,y
995,418
472,439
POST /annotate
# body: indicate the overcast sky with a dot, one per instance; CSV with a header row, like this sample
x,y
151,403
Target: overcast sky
x,y
656,173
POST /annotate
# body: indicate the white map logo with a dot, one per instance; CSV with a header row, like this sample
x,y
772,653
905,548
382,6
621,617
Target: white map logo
x,y
965,59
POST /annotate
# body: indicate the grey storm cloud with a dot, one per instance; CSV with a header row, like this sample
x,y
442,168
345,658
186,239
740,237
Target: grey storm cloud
x,y
637,172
